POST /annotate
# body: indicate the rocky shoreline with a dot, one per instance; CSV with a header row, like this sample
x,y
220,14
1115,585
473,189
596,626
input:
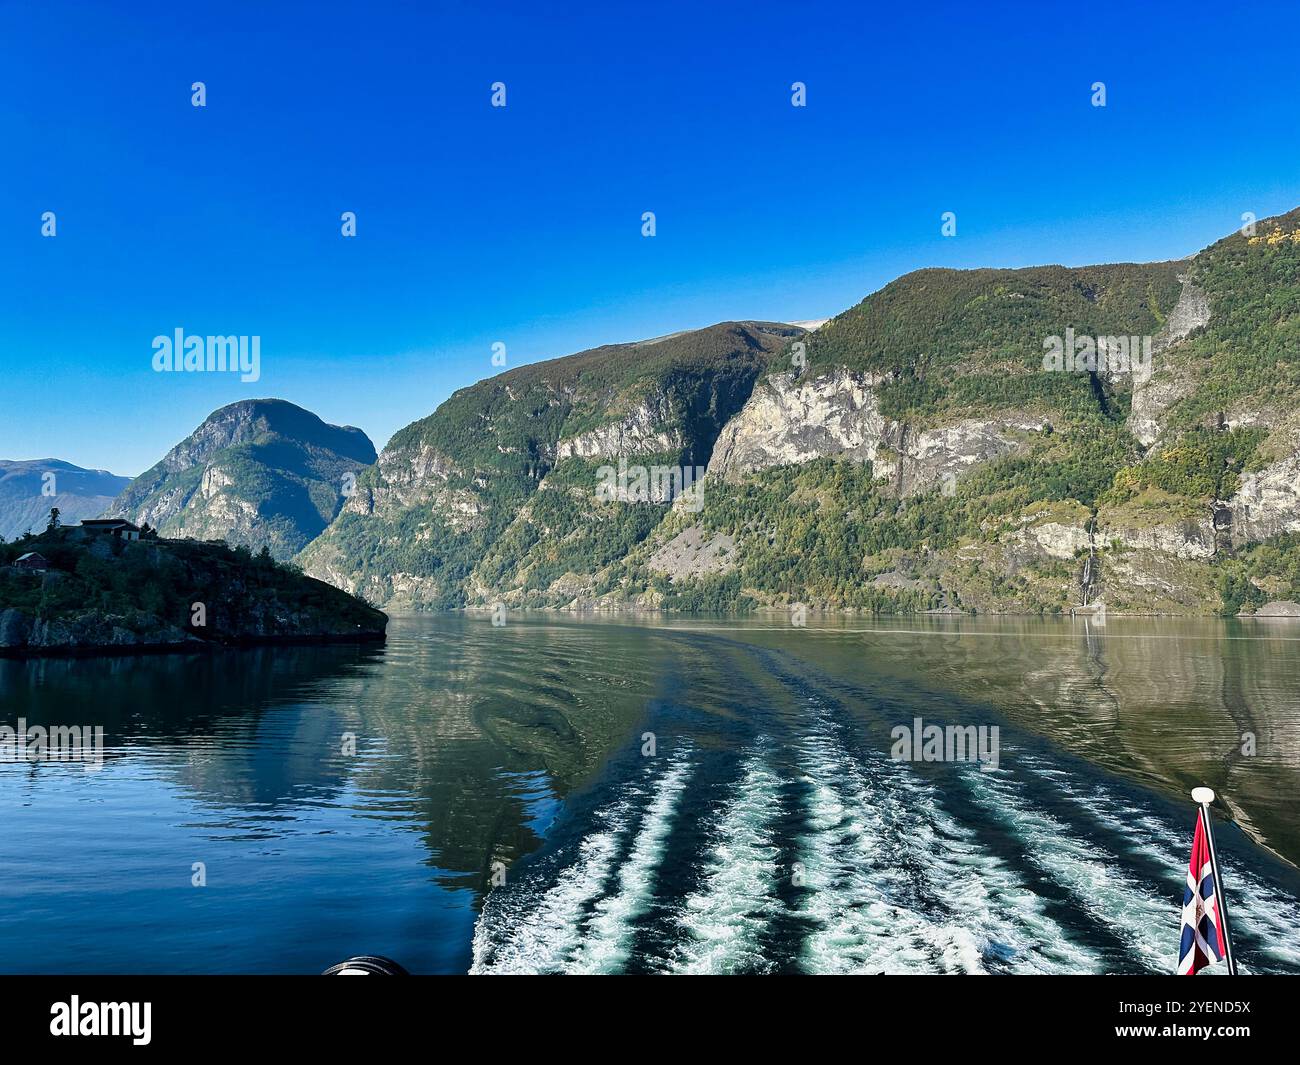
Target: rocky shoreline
x,y
22,636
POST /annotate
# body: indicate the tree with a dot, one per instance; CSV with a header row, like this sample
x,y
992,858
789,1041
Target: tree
x,y
54,520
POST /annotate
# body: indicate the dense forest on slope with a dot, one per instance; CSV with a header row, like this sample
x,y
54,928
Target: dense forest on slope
x,y
972,340
1250,351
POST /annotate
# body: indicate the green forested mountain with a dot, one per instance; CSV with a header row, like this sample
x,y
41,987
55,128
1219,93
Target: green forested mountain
x,y
952,341
501,477
920,451
258,473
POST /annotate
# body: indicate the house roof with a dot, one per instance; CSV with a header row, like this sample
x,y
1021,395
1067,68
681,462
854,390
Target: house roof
x,y
109,523
32,556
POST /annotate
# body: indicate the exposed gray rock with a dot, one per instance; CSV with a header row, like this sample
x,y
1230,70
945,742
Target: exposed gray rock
x,y
641,432
1278,608
15,628
1268,501
1188,539
1166,383
261,473
693,552
1058,531
939,457
89,631
789,421
416,476
1191,312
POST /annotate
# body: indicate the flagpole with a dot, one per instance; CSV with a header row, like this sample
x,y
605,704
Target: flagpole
x,y
1205,796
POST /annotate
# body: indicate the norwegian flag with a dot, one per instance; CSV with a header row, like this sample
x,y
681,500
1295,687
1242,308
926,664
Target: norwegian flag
x,y
1202,941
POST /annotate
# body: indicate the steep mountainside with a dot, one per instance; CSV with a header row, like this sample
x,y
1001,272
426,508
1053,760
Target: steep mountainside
x,y
29,489
258,473
495,489
1042,439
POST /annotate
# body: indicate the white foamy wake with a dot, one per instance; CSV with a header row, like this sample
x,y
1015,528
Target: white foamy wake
x,y
518,932
571,926
979,889
721,924
1147,924
894,884
1254,906
609,931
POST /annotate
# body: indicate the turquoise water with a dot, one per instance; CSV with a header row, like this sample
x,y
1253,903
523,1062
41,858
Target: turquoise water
x,y
558,795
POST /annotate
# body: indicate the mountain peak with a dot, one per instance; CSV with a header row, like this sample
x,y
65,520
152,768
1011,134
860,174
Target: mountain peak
x,y
258,472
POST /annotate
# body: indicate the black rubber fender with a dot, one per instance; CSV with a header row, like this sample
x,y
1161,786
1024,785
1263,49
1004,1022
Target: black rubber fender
x,y
366,965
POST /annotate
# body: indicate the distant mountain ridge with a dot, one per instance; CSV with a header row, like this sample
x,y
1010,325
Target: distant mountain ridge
x,y
257,473
30,488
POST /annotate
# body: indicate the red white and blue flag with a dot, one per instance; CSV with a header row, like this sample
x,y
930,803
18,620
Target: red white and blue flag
x,y
1202,939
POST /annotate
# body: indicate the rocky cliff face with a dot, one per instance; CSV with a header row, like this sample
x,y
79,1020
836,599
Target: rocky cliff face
x,y
650,428
89,630
257,473
789,421
1267,504
1165,383
940,457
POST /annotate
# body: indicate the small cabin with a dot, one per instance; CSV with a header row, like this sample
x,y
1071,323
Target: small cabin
x,y
122,529
32,561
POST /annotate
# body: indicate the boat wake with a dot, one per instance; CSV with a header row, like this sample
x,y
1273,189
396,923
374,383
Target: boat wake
x,y
826,856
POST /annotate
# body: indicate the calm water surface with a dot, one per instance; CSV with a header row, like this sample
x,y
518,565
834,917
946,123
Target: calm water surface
x,y
770,830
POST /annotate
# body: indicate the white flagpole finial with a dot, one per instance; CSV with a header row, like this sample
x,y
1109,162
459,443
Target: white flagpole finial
x,y
1205,797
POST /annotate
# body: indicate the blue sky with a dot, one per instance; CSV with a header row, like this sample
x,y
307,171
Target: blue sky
x,y
523,224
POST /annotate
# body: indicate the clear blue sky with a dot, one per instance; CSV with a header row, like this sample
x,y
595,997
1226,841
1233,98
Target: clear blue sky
x,y
523,224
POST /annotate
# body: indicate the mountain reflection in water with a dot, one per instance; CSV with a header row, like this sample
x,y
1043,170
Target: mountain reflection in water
x,y
347,800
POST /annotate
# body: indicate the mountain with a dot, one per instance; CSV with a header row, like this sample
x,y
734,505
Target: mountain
x,y
29,489
494,488
258,473
1124,436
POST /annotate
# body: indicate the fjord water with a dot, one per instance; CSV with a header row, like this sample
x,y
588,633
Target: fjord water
x,y
769,830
